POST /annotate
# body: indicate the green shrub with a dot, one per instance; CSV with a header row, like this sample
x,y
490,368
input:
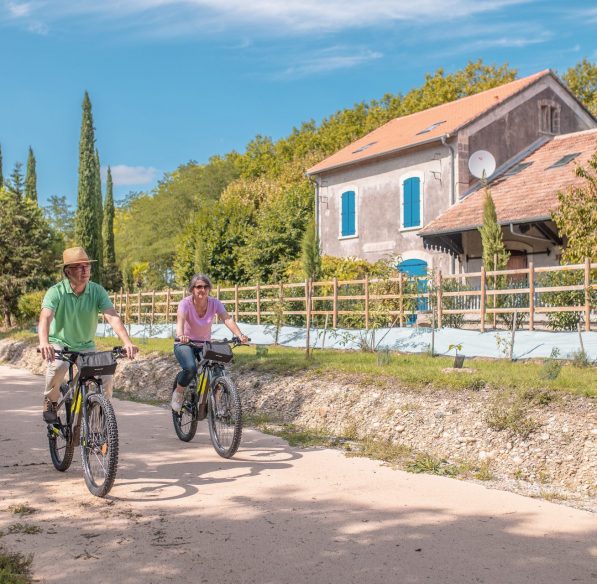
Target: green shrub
x,y
29,306
551,366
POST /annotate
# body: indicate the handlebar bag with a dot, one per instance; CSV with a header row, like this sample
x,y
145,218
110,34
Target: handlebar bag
x,y
92,364
217,352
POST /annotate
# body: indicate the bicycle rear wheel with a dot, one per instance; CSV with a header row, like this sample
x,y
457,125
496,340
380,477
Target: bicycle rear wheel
x,y
185,421
99,447
224,416
60,442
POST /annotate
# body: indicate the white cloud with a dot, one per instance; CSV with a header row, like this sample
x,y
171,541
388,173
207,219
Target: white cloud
x,y
179,17
131,175
18,9
330,60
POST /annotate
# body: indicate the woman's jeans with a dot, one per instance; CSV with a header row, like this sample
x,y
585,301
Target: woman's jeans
x,y
188,362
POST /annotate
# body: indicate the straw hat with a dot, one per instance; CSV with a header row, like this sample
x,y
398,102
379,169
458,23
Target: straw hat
x,y
75,255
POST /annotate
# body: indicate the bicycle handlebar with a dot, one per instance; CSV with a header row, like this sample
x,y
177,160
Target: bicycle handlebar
x,y
67,355
235,341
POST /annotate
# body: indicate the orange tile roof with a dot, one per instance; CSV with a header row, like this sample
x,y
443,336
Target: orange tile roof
x,y
526,196
406,131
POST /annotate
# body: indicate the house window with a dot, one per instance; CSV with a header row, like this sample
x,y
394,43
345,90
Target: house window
x,y
549,117
564,160
348,223
411,203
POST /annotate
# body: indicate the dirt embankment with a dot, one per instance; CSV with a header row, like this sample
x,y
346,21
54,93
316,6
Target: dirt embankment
x,y
547,449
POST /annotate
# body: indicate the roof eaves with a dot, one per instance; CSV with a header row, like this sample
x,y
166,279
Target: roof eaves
x,y
473,227
379,154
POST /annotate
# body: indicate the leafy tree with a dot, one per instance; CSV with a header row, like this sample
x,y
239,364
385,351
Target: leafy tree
x,y
61,218
27,250
311,257
112,276
166,211
576,215
31,178
1,167
582,81
16,179
87,222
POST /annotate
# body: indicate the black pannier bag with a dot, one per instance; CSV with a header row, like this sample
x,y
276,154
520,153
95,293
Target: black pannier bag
x,y
94,364
217,352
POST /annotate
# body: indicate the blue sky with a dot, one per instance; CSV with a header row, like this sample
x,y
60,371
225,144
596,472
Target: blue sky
x,y
178,80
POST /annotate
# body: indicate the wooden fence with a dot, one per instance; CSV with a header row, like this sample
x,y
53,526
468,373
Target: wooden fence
x,y
479,298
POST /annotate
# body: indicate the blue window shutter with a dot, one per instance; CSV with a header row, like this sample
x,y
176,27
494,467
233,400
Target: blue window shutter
x,y
348,213
412,202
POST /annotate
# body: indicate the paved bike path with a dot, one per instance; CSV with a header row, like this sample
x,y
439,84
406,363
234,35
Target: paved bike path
x,y
271,515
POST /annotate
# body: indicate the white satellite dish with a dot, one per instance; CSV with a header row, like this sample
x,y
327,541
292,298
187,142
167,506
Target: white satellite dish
x,y
481,164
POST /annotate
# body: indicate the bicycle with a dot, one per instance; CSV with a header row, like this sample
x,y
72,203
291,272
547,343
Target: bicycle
x,y
86,416
212,395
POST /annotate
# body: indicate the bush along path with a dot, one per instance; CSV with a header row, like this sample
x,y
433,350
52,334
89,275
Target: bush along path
x,y
535,442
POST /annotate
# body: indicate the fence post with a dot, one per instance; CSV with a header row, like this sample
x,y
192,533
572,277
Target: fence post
x,y
494,301
168,305
439,300
482,301
127,308
588,294
367,301
335,305
120,308
258,299
308,315
139,308
152,306
217,297
531,296
236,302
401,300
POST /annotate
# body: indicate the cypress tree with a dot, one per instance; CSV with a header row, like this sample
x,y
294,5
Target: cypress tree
x,y
31,178
87,225
100,207
16,179
311,259
491,236
112,276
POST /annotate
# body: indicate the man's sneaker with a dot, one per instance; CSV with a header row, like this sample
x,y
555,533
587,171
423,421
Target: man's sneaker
x,y
177,401
49,411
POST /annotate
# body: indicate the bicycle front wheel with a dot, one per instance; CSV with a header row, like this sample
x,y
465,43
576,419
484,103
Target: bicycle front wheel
x,y
99,446
60,442
224,417
185,421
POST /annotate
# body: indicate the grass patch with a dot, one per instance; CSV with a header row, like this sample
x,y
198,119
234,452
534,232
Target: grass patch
x,y
298,437
549,496
411,370
425,463
15,568
389,452
21,509
23,528
509,412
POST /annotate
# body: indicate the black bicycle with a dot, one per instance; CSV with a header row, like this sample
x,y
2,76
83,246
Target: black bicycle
x,y
213,395
85,416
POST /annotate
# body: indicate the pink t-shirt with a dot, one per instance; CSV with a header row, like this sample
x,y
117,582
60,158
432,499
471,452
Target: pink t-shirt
x,y
199,328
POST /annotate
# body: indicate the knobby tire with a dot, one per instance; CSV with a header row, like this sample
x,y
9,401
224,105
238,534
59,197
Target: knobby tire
x,y
185,421
224,415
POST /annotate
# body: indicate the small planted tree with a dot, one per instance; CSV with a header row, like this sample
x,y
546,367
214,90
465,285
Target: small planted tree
x,y
495,255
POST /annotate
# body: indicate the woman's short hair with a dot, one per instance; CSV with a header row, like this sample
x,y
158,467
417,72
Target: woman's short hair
x,y
200,277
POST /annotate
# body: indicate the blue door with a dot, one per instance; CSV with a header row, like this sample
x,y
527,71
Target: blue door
x,y
416,267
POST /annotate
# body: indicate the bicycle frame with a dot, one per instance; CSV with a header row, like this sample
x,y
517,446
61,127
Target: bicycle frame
x,y
207,372
77,395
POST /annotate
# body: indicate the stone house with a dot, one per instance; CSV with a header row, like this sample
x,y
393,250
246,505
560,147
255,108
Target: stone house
x,y
376,196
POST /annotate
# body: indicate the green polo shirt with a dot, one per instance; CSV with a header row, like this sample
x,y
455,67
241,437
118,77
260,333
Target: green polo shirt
x,y
75,317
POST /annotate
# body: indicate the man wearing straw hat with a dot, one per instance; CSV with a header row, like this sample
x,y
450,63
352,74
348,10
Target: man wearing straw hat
x,y
69,319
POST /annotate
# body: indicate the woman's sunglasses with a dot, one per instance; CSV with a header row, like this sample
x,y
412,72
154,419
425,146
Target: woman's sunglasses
x,y
200,286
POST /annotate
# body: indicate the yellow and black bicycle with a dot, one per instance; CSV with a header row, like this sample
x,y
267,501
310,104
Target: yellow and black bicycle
x,y
85,416
213,395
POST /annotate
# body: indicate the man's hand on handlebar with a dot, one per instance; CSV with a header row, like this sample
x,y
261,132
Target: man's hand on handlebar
x,y
130,350
47,352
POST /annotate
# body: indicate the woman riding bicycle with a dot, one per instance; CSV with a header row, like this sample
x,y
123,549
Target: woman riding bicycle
x,y
193,322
